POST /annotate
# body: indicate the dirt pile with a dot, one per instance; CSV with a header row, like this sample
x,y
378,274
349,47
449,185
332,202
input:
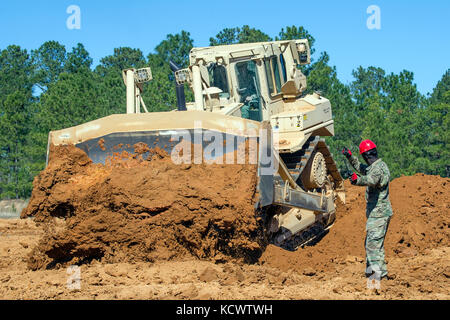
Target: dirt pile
x,y
420,222
142,210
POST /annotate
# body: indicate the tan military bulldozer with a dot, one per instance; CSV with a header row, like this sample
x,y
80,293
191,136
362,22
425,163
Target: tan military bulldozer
x,y
242,93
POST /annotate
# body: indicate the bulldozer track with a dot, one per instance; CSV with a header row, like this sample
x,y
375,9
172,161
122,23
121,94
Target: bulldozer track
x,y
296,163
305,237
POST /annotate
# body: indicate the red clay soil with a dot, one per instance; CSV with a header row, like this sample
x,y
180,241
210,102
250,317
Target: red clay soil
x,y
421,221
142,210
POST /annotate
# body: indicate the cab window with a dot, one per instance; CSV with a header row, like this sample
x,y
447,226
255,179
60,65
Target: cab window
x,y
218,78
272,68
283,68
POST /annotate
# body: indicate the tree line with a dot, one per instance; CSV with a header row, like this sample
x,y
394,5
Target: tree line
x,y
51,88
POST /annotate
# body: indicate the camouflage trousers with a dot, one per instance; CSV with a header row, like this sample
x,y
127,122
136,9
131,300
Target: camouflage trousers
x,y
376,229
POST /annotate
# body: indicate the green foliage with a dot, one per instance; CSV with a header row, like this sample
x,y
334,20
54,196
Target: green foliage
x,y
53,88
432,134
159,94
78,59
226,36
238,35
109,78
16,73
442,89
122,58
49,62
176,48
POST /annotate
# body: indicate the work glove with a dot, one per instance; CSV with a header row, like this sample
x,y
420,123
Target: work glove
x,y
354,178
346,152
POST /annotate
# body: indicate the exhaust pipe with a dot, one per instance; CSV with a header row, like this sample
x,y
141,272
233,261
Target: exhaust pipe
x,y
181,98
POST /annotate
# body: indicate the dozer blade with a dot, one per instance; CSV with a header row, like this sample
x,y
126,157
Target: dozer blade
x,y
206,131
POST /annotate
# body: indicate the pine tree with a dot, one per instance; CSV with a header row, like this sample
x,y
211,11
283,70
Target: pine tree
x,y
16,71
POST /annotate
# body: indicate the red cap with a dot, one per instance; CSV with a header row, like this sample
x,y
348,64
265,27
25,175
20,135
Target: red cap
x,y
366,145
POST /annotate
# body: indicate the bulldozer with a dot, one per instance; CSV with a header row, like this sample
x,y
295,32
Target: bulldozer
x,y
242,92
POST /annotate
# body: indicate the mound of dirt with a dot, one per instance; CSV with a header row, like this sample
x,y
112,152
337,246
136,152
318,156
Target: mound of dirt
x,y
421,221
142,210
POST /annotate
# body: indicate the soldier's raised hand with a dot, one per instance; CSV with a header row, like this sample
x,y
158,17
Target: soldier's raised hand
x,y
346,152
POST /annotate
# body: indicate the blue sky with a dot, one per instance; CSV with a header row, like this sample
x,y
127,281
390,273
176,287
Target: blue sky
x,y
414,34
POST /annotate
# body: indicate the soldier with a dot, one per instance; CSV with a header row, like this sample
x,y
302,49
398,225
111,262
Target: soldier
x,y
247,90
375,176
246,76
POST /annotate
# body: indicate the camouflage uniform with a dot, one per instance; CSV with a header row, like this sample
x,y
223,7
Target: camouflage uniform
x,y
378,211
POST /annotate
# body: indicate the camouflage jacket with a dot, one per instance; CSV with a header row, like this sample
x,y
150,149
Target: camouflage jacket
x,y
376,178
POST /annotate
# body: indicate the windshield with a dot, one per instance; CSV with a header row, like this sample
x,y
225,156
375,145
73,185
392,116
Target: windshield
x,y
218,78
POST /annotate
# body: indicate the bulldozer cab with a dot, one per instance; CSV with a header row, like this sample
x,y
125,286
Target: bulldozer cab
x,y
247,80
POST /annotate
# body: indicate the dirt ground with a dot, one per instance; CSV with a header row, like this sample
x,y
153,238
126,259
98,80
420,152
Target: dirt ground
x,y
420,276
126,246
